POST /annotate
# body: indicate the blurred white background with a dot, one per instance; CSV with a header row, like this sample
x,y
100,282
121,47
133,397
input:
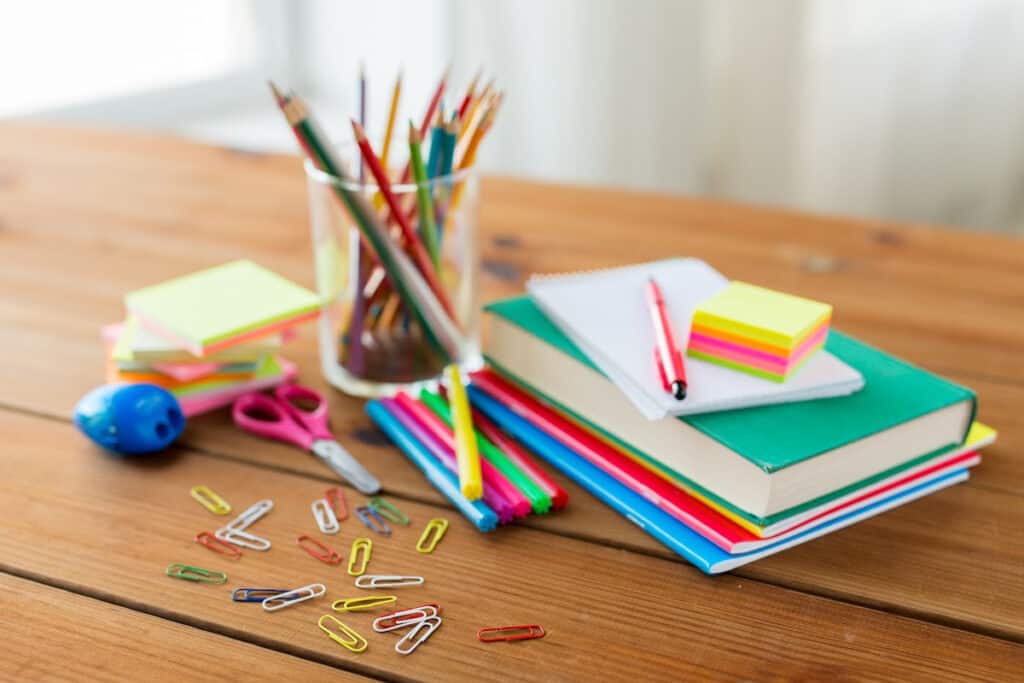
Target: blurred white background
x,y
910,110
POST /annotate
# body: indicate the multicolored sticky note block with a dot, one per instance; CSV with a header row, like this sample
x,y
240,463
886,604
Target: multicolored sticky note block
x,y
758,331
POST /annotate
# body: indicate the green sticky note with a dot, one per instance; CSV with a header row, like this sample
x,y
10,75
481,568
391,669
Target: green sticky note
x,y
762,314
221,306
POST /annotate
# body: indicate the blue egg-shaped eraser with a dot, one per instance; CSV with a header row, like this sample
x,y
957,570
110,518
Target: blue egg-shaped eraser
x,y
130,419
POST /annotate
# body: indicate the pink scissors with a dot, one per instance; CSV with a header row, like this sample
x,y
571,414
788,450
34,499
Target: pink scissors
x,y
298,415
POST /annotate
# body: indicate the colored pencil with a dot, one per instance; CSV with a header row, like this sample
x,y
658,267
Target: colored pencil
x,y
470,91
419,254
419,174
468,121
389,131
435,102
362,115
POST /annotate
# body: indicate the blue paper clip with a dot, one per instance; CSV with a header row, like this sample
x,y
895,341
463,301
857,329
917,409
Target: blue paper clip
x,y
255,594
372,519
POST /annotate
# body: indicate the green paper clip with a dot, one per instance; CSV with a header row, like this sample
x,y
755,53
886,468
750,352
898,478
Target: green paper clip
x,y
388,511
190,573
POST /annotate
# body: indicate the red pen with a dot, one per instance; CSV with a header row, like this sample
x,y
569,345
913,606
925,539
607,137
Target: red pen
x,y
667,355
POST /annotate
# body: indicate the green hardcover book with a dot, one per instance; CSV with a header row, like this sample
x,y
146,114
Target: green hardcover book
x,y
764,463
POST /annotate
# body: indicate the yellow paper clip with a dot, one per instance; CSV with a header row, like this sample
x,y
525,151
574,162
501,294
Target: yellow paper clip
x,y
209,499
359,604
353,642
429,541
366,545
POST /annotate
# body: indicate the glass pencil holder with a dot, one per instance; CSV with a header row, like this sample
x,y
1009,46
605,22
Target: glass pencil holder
x,y
371,343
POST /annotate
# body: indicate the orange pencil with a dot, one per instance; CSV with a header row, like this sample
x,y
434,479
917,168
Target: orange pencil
x,y
416,249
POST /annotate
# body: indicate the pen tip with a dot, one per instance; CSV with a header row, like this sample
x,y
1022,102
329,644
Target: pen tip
x,y
679,390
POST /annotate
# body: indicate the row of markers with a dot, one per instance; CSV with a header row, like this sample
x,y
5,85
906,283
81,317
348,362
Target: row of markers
x,y
421,620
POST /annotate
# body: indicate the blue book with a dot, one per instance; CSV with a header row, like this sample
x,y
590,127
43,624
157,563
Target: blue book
x,y
680,538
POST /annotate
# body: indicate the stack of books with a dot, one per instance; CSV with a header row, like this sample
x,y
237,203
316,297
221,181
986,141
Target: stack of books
x,y
210,336
727,487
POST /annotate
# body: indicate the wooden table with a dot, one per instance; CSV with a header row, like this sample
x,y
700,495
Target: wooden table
x,y
930,591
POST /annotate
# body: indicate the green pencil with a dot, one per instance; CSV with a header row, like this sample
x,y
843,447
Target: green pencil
x,y
540,502
428,230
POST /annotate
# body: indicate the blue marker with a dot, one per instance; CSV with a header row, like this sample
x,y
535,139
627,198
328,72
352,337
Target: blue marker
x,y
477,512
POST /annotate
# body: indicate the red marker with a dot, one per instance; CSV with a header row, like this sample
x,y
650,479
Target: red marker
x,y
667,355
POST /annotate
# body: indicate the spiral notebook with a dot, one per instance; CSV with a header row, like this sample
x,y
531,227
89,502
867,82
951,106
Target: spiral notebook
x,y
605,314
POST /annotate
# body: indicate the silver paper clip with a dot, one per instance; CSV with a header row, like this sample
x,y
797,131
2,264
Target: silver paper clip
x,y
387,581
255,512
401,619
242,539
372,519
417,635
324,516
293,597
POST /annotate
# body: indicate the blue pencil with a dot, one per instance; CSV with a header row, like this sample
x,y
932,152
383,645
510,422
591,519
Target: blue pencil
x,y
477,512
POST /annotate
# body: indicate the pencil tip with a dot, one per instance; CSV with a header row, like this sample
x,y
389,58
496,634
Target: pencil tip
x,y
277,92
357,129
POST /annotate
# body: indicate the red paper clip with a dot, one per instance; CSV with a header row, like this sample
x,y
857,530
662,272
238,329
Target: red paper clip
x,y
337,501
208,540
496,634
321,552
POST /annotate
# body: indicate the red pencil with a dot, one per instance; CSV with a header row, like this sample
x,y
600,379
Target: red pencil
x,y
470,91
416,249
667,355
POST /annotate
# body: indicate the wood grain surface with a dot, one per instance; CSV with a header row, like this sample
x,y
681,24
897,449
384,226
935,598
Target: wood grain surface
x,y
930,590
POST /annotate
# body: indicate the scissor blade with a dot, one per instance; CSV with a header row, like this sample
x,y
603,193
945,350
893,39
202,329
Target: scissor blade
x,y
342,462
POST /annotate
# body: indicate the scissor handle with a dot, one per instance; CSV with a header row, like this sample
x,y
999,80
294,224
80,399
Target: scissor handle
x,y
295,398
263,416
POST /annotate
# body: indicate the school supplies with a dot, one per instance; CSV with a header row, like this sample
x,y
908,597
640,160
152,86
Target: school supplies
x,y
360,604
208,540
758,331
372,520
387,581
235,531
359,557
432,535
218,307
388,511
190,573
318,550
477,512
298,415
294,597
209,499
255,594
342,634
130,419
135,343
323,515
336,499
404,618
768,460
581,305
417,635
507,634
667,357
465,438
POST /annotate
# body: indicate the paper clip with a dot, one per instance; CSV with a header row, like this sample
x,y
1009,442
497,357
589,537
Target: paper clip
x,y
293,597
254,512
497,634
426,544
388,511
360,544
256,594
209,499
412,640
208,540
406,617
353,641
321,552
336,500
243,539
387,581
372,519
324,516
359,604
190,573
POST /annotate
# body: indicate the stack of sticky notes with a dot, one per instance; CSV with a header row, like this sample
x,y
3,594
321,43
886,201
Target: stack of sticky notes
x,y
758,331
210,336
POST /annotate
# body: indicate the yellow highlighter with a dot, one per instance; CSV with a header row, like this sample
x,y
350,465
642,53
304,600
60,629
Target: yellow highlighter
x,y
465,437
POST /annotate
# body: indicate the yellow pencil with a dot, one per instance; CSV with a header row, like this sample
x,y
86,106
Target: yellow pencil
x,y
468,120
465,437
392,112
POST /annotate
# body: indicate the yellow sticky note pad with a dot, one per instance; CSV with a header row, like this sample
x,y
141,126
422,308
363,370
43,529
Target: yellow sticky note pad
x,y
775,318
